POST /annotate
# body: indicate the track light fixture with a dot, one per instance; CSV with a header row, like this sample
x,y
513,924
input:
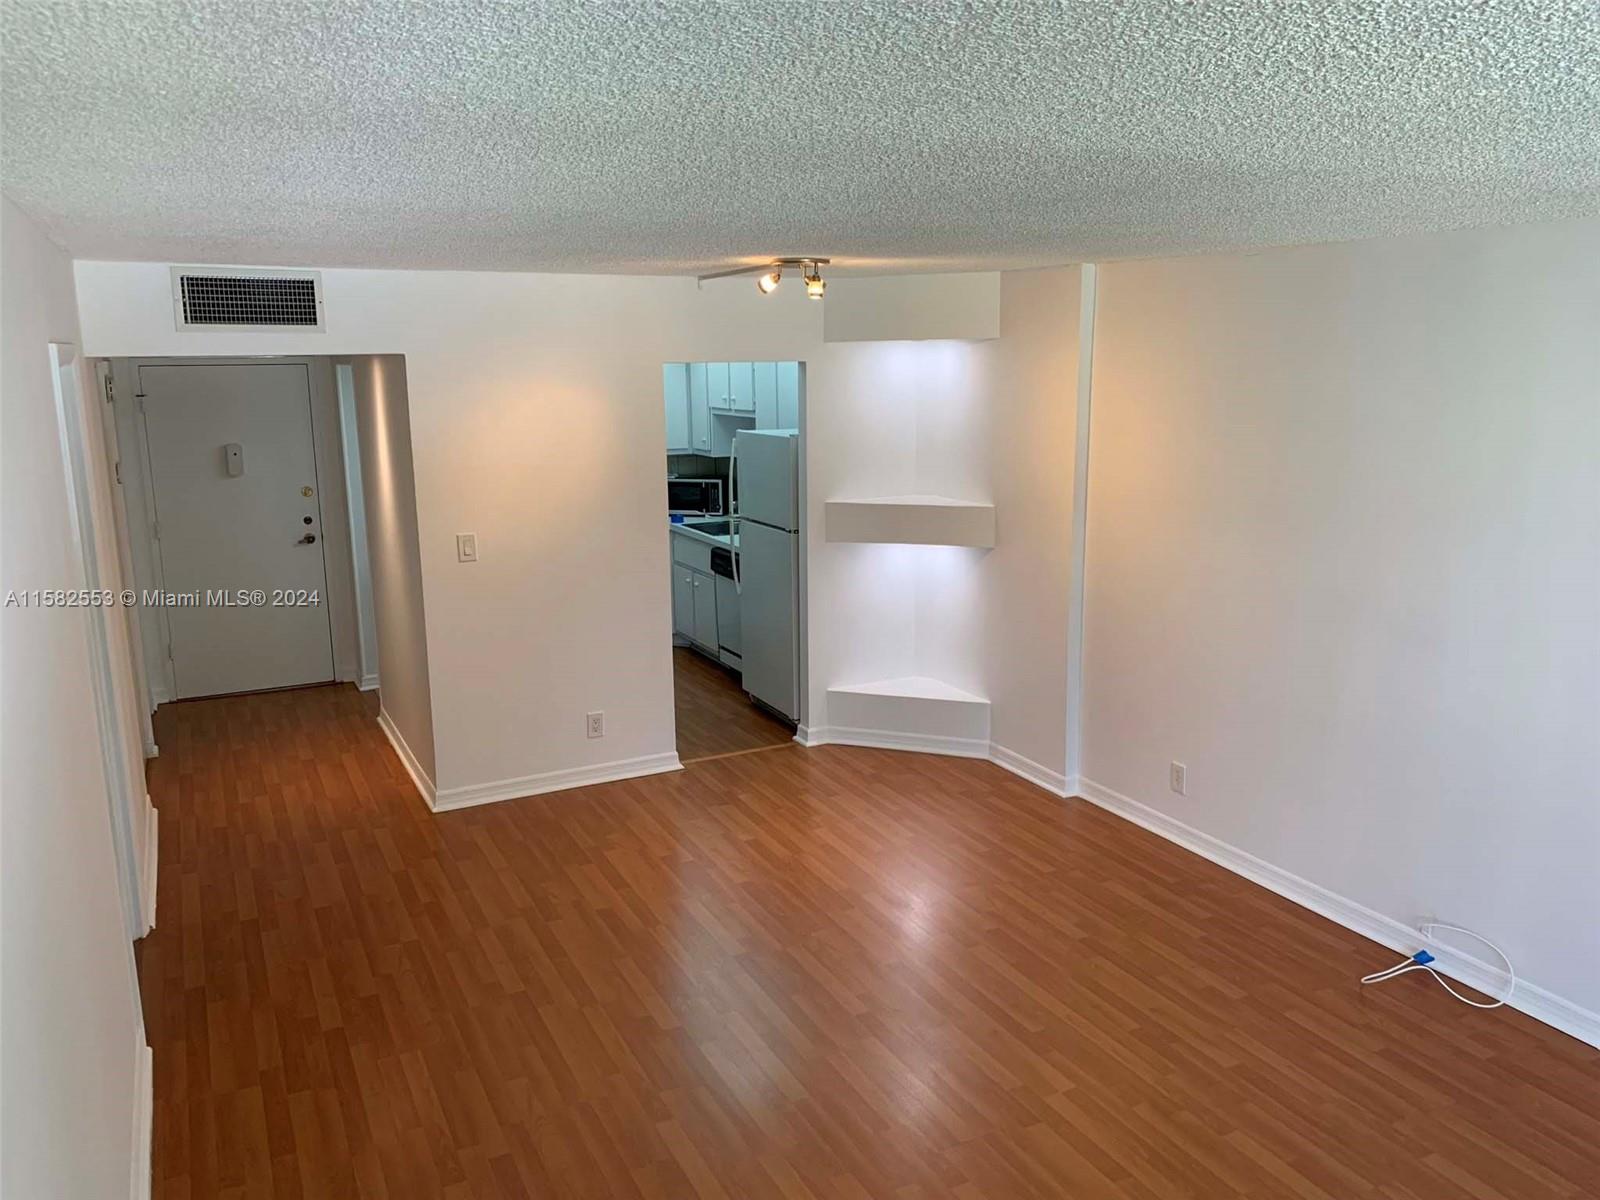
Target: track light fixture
x,y
772,275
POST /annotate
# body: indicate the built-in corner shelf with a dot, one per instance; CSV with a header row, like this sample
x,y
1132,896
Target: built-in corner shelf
x,y
911,520
913,711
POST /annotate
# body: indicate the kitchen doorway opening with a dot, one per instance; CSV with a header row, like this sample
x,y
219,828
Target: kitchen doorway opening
x,y
736,513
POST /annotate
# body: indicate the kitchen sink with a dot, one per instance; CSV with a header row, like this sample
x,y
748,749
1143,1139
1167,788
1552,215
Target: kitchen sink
x,y
714,528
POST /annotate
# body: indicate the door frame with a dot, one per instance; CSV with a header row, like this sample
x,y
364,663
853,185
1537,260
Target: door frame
x,y
121,741
333,499
111,446
803,546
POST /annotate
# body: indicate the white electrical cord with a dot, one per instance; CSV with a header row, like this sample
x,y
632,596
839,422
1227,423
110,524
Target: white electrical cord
x,y
1420,961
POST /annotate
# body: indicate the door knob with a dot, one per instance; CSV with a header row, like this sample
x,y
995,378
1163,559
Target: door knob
x,y
308,539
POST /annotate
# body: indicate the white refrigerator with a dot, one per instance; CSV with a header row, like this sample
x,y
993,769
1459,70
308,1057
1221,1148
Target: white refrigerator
x,y
766,483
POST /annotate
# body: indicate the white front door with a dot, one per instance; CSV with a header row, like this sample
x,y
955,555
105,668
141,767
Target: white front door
x,y
239,525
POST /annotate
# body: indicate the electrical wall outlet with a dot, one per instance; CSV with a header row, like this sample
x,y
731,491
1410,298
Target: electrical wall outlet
x,y
1179,778
597,724
466,547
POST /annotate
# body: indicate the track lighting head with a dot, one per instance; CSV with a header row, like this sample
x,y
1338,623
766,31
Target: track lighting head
x,y
771,275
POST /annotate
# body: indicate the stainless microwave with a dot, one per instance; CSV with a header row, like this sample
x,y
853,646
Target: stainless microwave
x,y
694,497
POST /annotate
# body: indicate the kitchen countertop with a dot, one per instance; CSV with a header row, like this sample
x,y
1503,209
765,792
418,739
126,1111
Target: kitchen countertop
x,y
727,541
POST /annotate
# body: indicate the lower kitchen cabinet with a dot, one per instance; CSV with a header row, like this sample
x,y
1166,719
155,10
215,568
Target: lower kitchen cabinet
x,y
694,607
705,611
682,601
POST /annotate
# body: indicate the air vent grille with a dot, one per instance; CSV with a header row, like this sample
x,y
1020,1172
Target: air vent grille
x,y
248,300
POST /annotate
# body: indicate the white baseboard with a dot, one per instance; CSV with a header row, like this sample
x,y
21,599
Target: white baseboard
x,y
921,743
1537,1002
408,760
1050,781
152,859
1528,998
140,1181
554,781
886,739
367,683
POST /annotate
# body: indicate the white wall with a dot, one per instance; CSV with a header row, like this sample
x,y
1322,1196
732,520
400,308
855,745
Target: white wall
x,y
536,422
383,424
1021,414
1344,563
71,1034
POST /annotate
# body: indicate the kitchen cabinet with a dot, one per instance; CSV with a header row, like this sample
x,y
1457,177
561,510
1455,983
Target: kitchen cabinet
x,y
709,432
764,381
788,395
717,375
699,412
694,607
705,611
741,388
682,601
694,593
731,388
675,389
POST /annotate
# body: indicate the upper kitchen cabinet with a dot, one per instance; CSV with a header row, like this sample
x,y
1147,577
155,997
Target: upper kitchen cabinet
x,y
675,388
699,410
694,392
707,403
717,386
741,388
731,388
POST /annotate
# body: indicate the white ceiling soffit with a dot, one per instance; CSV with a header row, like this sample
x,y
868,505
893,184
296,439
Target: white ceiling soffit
x,y
686,137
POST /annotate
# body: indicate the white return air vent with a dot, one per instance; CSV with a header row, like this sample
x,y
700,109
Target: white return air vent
x,y
244,298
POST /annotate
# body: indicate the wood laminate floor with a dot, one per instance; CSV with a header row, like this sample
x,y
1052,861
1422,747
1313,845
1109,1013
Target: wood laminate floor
x,y
830,973
714,715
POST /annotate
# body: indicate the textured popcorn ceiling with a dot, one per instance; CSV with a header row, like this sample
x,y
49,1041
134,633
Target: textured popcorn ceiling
x,y
680,137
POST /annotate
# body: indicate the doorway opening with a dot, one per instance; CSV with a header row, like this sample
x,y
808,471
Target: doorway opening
x,y
271,513
735,486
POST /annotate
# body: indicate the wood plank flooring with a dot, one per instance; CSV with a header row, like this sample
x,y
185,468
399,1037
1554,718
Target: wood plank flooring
x,y
830,973
714,715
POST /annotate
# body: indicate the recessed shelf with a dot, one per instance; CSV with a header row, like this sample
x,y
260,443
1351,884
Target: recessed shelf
x,y
911,707
911,520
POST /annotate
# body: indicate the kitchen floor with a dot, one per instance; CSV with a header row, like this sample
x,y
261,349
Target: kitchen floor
x,y
715,717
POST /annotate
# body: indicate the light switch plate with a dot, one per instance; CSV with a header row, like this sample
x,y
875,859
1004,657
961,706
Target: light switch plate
x,y
467,547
